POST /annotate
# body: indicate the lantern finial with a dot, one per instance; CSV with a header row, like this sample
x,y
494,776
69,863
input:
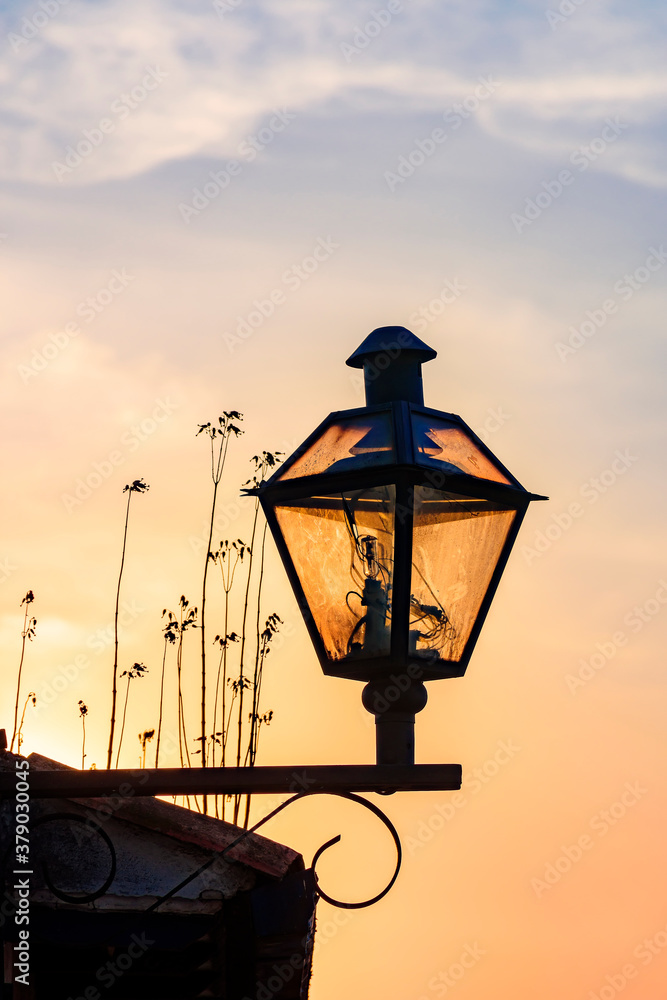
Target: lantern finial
x,y
391,358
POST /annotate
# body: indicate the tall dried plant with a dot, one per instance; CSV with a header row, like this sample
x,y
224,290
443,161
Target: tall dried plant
x,y
32,698
144,739
137,670
187,619
138,486
219,436
170,631
228,556
27,634
262,464
257,718
83,712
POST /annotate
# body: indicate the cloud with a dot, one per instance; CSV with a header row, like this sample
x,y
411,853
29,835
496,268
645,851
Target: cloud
x,y
173,83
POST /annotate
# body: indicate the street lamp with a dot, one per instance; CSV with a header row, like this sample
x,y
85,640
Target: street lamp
x,y
394,523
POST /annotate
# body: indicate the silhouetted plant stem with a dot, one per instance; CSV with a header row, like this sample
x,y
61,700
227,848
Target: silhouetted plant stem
x,y
19,737
223,432
169,638
228,556
144,738
255,694
242,679
83,712
136,670
257,720
255,691
27,633
183,625
159,718
227,571
218,738
138,486
262,463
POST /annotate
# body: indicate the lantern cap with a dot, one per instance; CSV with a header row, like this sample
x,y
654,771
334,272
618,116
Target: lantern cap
x,y
391,358
389,339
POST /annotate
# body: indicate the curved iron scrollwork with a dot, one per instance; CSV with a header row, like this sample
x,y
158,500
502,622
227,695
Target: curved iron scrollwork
x,y
92,824
329,899
89,897
397,843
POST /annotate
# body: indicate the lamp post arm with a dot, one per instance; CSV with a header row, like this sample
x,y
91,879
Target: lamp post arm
x,y
269,780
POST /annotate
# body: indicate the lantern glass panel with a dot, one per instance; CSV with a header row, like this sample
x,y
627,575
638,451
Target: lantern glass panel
x,y
342,548
346,445
444,444
457,542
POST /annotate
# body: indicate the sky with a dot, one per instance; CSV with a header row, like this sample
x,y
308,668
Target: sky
x,y
206,207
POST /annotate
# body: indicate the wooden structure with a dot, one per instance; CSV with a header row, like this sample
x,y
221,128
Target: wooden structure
x,y
242,929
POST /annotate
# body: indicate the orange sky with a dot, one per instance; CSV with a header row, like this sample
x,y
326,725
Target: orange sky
x,y
129,321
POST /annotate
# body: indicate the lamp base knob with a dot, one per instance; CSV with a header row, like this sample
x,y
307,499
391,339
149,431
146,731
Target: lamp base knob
x,y
394,707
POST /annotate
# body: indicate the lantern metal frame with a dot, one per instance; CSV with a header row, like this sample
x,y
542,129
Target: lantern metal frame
x,y
404,472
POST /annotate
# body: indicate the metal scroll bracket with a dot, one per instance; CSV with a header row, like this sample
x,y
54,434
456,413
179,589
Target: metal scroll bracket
x,y
329,899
